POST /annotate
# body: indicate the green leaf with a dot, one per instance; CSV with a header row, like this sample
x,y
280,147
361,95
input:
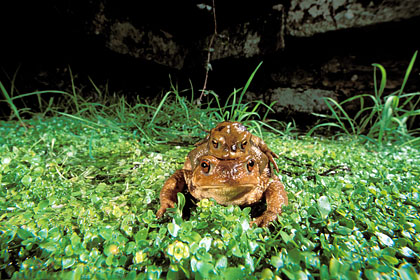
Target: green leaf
x,y
286,238
206,243
6,161
335,267
407,73
236,251
153,272
26,180
249,262
392,260
68,251
141,234
24,234
68,262
204,268
109,260
221,263
379,92
407,272
234,273
43,204
324,206
173,228
77,273
384,239
324,272
106,233
277,262
75,240
267,274
295,256
49,246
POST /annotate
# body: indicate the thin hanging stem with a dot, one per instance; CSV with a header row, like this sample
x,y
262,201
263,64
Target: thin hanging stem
x,y
209,54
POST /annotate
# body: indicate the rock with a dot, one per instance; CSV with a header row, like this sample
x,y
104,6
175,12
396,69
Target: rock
x,y
309,17
296,100
254,34
140,41
249,39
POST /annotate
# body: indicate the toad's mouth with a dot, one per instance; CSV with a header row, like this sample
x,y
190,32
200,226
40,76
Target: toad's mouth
x,y
226,186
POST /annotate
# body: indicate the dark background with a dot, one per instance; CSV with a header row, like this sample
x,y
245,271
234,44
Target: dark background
x,y
41,39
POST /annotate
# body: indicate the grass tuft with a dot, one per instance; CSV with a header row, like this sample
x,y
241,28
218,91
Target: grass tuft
x,y
379,119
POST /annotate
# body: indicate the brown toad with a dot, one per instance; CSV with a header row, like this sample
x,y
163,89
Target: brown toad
x,y
243,181
230,140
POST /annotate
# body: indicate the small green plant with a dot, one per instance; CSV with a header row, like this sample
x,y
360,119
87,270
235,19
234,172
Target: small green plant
x,y
379,119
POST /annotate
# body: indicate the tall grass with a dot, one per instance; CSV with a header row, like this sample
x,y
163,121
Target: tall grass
x,y
11,100
380,118
175,118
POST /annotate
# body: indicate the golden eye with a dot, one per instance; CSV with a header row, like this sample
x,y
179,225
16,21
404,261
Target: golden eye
x,y
205,165
243,144
250,165
215,143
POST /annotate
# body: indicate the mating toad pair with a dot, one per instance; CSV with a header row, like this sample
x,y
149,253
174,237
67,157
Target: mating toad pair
x,y
232,166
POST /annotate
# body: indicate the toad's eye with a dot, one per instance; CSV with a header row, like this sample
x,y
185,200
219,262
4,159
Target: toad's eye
x,y
250,165
215,144
205,165
243,144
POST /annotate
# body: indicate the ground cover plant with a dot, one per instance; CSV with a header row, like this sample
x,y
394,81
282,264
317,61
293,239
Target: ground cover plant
x,y
79,193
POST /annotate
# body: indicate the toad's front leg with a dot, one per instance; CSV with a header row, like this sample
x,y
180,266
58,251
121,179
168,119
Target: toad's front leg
x,y
175,184
275,197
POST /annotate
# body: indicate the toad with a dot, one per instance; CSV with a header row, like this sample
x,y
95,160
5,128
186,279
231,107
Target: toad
x,y
230,140
241,181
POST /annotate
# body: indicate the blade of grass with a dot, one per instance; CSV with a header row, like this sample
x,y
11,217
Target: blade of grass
x,y
269,108
73,88
80,119
13,81
330,124
40,92
390,104
346,116
407,73
271,128
192,92
379,93
220,109
96,88
159,107
11,104
248,83
255,128
233,107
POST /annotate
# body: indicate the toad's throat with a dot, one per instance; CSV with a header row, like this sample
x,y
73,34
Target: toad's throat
x,y
224,193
